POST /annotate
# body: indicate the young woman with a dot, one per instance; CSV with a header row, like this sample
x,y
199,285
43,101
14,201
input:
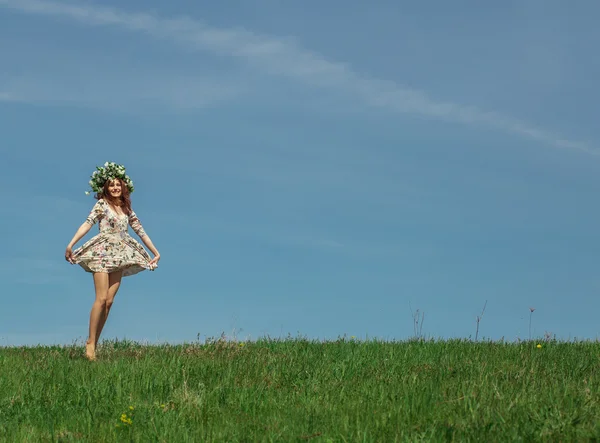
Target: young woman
x,y
113,253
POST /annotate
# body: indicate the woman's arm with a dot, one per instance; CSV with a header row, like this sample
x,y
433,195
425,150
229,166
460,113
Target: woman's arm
x,y
83,229
136,225
150,245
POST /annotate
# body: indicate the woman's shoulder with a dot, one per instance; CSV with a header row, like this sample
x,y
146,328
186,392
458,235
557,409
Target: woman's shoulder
x,y
100,203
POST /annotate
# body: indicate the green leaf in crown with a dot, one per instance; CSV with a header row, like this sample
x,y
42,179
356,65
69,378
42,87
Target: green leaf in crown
x,y
109,171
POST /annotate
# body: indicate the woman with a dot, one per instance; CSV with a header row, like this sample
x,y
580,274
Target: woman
x,y
113,253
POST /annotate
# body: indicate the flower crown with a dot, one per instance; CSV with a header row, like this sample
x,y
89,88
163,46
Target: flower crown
x,y
109,171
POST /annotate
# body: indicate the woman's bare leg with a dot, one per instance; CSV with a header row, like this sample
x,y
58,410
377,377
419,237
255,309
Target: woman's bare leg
x,y
97,312
114,282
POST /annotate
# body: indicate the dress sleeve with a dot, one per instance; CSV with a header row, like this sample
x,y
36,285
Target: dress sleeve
x,y
96,213
136,225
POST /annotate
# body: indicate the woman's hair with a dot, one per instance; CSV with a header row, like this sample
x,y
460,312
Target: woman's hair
x,y
125,199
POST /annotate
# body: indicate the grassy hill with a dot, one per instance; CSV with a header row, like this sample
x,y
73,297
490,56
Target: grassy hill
x,y
301,390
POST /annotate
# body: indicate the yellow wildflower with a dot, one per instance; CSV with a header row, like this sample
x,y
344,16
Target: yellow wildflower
x,y
539,346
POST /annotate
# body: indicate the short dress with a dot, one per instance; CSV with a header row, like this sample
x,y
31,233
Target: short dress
x,y
113,249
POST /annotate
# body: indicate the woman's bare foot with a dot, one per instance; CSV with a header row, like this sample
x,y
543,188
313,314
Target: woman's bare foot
x,y
90,351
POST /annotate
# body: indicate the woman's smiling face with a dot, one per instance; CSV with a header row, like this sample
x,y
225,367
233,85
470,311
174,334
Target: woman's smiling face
x,y
114,188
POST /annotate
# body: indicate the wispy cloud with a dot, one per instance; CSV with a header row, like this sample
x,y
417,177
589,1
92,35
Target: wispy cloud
x,y
102,91
284,57
10,97
43,74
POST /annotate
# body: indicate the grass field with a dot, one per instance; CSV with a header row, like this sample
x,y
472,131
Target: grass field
x,y
302,390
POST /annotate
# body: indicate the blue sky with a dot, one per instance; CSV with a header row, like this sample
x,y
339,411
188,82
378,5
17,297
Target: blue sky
x,y
314,168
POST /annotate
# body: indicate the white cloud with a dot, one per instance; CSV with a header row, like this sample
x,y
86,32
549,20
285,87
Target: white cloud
x,y
283,57
99,91
9,97
48,75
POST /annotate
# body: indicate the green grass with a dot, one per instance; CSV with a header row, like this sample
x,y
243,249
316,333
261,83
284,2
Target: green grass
x,y
302,390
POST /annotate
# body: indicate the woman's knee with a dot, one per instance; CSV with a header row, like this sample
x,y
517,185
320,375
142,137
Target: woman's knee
x,y
102,301
109,302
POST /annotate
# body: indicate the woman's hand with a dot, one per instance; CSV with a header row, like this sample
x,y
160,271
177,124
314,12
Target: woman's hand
x,y
154,262
69,254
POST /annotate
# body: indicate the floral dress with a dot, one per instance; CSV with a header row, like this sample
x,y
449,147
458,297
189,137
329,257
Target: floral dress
x,y
113,249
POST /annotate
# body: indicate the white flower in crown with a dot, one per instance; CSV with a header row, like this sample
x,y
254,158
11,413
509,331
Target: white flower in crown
x,y
110,170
